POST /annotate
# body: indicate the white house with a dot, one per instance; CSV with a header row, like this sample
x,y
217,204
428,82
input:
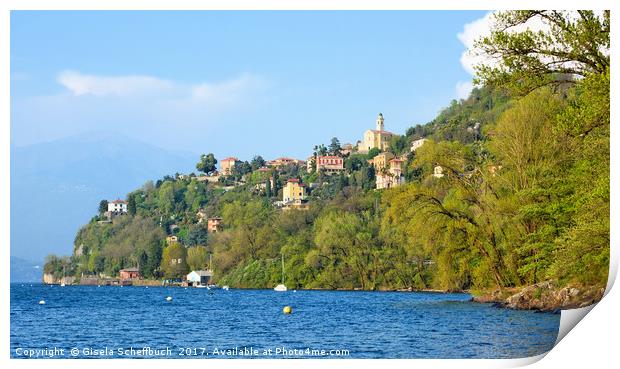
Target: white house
x,y
199,277
417,144
117,207
438,171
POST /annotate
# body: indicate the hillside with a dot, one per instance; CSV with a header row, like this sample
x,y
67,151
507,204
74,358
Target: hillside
x,y
508,191
487,221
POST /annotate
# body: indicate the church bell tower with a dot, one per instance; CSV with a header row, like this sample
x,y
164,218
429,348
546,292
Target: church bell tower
x,y
380,122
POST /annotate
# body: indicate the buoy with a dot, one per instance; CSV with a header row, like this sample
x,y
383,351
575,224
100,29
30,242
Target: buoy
x,y
42,302
287,310
168,298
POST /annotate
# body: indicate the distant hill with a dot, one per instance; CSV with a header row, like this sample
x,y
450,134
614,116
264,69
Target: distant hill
x,y
56,186
25,271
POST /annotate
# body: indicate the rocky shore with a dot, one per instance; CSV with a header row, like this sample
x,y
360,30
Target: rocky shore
x,y
544,296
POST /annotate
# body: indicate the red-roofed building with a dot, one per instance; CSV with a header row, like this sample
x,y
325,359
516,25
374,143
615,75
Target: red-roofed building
x,y
117,207
214,224
329,164
294,191
284,161
129,273
227,164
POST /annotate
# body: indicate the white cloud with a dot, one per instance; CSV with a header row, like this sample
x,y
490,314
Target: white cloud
x,y
472,32
140,86
476,30
463,89
85,84
482,27
147,107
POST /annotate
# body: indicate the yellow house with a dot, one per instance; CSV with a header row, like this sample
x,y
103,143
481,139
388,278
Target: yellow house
x,y
377,138
293,191
381,160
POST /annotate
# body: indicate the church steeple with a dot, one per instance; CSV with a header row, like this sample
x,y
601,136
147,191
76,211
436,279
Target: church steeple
x,y
380,122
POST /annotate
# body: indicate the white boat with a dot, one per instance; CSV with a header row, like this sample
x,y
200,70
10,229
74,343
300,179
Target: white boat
x,y
281,287
225,288
62,285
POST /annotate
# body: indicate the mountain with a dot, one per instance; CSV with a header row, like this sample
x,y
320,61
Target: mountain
x,y
56,186
25,271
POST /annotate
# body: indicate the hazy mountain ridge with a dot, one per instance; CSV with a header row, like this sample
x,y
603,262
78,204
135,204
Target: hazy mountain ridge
x,y
56,186
25,270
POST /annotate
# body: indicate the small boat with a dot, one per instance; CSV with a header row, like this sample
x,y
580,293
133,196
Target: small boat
x,y
202,286
225,288
62,285
281,287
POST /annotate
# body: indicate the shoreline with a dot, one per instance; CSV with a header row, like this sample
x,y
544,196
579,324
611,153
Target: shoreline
x,y
541,297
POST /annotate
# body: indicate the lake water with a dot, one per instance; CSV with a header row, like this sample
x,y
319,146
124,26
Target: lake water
x,y
110,321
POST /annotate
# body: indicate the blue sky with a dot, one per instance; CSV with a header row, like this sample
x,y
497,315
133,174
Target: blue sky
x,y
232,83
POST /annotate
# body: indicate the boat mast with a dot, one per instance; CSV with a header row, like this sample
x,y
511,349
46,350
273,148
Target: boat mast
x,y
282,268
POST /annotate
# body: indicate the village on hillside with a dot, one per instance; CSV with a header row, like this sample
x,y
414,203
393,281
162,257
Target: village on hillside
x,y
327,163
299,179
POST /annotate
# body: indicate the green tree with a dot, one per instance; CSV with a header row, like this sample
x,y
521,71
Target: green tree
x,y
373,152
398,144
174,261
197,258
268,194
154,251
575,44
334,147
207,163
197,235
320,150
240,169
166,198
346,244
131,205
103,206
257,162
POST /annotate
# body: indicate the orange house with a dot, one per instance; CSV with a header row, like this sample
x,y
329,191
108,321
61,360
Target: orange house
x,y
214,224
130,273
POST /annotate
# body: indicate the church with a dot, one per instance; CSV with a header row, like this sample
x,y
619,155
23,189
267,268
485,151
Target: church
x,y
377,138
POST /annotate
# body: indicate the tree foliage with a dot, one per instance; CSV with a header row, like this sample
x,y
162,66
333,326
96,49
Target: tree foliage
x,y
569,44
207,163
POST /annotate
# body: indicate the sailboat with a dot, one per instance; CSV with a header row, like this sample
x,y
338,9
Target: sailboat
x,y
281,287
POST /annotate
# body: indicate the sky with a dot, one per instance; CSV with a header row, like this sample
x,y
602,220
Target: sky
x,y
235,83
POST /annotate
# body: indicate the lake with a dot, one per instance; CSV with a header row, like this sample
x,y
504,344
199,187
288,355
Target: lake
x,y
119,322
